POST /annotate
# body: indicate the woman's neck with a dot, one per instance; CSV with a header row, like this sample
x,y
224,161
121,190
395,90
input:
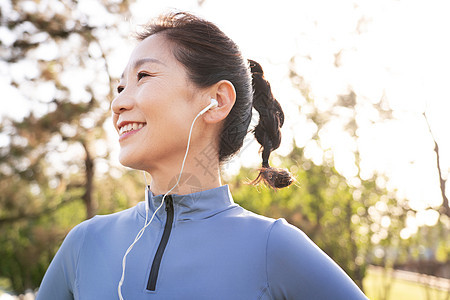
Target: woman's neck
x,y
198,175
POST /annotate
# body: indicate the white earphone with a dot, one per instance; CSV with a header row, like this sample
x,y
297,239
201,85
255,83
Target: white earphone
x,y
213,104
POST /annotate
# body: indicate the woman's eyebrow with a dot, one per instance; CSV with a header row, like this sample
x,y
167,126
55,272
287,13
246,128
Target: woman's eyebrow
x,y
142,61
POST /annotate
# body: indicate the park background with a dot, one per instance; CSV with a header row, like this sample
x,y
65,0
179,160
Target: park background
x,y
364,87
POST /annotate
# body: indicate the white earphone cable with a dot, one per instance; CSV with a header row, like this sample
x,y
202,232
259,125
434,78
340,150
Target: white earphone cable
x,y
141,232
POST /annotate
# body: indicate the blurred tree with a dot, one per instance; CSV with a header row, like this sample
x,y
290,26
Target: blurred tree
x,y
350,215
366,213
56,57
345,221
349,116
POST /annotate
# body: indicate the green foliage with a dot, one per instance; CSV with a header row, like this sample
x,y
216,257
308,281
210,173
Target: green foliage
x,y
333,213
47,169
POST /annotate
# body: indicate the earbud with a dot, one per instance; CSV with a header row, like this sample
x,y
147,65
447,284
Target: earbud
x,y
213,104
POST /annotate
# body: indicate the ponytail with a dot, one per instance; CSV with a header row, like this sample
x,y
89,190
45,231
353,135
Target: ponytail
x,y
267,132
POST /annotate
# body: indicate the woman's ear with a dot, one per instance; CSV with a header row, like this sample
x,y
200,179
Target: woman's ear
x,y
225,94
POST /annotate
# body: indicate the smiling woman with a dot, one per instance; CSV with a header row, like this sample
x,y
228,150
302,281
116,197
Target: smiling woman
x,y
201,245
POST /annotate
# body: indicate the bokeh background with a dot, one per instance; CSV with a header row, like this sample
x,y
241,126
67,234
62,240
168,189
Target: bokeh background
x,y
364,86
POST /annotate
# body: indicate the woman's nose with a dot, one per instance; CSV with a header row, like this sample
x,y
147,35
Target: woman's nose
x,y
122,103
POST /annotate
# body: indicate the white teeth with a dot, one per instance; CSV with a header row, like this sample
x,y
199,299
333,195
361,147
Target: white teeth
x,y
129,127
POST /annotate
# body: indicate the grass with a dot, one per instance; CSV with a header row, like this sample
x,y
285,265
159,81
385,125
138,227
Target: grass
x,y
400,289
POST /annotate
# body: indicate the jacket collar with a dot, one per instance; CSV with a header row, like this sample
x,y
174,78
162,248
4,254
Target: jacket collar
x,y
194,206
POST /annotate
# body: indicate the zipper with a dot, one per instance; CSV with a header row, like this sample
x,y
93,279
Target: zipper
x,y
153,277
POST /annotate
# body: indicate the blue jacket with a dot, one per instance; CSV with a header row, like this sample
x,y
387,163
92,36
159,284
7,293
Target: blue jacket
x,y
199,246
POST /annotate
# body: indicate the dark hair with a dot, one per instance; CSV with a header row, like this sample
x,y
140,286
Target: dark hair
x,y
209,56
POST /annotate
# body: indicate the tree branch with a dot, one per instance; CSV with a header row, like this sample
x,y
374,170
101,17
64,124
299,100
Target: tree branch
x,y
442,182
89,173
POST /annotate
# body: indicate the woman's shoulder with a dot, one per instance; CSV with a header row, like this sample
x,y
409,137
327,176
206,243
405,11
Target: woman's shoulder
x,y
249,220
284,233
126,215
103,224
297,264
288,245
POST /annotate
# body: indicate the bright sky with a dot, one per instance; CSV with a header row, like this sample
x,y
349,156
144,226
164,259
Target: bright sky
x,y
401,54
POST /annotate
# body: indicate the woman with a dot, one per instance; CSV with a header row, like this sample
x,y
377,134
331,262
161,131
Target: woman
x,y
192,244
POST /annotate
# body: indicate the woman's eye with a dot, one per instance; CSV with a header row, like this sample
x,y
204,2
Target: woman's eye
x,y
120,89
141,75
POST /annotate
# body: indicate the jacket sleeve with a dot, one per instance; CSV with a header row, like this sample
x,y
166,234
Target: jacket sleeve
x,y
298,269
60,279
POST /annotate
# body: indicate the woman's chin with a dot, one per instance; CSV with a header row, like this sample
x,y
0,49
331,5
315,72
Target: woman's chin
x,y
128,160
133,160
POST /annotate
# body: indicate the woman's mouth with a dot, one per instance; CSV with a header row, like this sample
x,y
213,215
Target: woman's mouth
x,y
129,129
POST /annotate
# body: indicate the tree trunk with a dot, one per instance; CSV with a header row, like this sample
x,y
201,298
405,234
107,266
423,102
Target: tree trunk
x,y
89,173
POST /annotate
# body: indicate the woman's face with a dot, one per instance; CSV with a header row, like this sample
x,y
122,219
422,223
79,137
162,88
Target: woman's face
x,y
155,107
